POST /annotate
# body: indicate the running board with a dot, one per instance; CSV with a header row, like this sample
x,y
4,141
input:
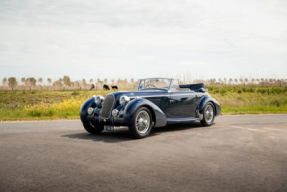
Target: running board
x,y
181,120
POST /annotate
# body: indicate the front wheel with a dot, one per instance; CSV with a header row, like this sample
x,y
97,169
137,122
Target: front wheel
x,y
208,115
142,123
93,128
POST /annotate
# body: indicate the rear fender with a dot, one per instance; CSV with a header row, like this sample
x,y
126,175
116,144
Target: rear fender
x,y
159,118
203,102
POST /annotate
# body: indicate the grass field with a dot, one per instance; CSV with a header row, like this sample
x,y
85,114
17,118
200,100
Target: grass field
x,y
36,105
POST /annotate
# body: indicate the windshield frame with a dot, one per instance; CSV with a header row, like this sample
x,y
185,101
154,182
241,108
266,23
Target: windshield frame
x,y
170,83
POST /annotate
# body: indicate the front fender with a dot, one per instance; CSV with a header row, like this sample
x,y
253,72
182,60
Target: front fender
x,y
83,111
159,117
205,100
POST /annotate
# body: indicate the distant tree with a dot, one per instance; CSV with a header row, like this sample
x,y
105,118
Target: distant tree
x,y
84,82
49,81
91,81
105,80
23,80
40,80
266,80
270,80
257,80
12,82
230,80
246,80
4,81
132,80
225,81
66,80
252,80
77,83
262,79
210,81
241,80
58,83
236,81
31,80
113,81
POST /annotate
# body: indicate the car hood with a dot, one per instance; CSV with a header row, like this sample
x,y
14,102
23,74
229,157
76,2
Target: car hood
x,y
139,93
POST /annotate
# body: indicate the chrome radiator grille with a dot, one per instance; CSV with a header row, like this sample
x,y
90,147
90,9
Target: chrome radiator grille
x,y
107,106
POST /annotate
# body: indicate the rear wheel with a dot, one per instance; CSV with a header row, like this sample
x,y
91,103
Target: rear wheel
x,y
208,115
93,128
142,123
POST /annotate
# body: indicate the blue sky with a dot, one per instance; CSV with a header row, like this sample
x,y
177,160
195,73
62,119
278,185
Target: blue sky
x,y
124,39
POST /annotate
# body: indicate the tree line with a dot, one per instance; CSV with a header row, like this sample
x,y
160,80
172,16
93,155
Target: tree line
x,y
66,81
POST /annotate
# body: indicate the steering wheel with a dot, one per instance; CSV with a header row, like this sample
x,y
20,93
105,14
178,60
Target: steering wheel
x,y
147,86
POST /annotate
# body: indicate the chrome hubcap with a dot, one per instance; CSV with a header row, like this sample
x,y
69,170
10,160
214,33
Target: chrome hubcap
x,y
142,122
209,113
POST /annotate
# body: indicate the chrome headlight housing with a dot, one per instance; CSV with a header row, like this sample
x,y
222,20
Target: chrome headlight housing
x,y
115,112
124,99
99,99
90,110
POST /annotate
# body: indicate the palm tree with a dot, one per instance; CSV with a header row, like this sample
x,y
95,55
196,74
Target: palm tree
x,y
49,80
40,80
236,81
230,80
241,80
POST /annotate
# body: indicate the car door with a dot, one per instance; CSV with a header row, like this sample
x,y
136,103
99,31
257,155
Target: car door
x,y
181,105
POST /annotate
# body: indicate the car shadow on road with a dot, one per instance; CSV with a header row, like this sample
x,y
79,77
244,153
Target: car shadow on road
x,y
122,134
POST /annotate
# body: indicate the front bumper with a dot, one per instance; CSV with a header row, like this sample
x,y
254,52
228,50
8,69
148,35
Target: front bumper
x,y
105,121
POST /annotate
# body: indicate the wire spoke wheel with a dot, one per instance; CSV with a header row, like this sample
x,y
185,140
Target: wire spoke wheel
x,y
209,113
142,122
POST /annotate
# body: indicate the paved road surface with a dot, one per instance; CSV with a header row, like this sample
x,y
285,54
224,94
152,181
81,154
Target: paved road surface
x,y
238,153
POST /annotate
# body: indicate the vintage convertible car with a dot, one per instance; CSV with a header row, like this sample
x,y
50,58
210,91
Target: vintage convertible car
x,y
156,103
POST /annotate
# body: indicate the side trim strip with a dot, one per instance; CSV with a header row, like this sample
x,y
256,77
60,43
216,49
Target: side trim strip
x,y
177,120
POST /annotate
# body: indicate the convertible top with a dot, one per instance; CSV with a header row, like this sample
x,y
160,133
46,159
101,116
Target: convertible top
x,y
195,87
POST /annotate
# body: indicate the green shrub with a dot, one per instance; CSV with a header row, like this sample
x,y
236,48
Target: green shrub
x,y
251,89
278,102
76,93
239,91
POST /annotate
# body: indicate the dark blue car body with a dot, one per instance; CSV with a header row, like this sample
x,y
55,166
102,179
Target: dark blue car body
x,y
165,106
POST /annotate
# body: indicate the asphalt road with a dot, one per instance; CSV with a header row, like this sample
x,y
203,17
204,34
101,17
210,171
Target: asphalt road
x,y
238,153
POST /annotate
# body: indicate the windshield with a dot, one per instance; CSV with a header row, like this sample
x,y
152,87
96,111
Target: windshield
x,y
155,83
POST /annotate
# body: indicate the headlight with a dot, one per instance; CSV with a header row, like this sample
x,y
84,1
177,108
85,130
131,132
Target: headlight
x,y
115,112
99,99
90,110
124,99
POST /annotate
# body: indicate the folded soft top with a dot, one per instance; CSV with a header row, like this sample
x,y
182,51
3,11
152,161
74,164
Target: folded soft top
x,y
195,87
